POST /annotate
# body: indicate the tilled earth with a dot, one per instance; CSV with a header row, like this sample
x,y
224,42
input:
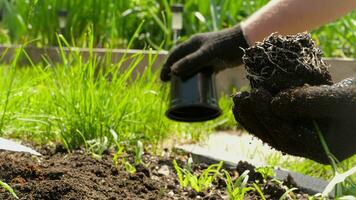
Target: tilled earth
x,y
78,175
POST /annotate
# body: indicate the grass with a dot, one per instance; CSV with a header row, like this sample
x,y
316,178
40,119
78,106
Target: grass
x,y
75,105
114,22
81,104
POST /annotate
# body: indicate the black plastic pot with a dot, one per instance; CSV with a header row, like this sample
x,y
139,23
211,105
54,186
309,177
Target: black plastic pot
x,y
194,99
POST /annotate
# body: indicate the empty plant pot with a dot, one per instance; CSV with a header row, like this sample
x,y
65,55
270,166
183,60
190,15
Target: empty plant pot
x,y
194,99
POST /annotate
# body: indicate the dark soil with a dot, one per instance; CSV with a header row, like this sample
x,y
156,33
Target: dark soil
x,y
284,62
78,175
290,88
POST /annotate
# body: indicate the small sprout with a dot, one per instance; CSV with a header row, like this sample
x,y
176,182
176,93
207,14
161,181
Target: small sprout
x,y
339,178
117,155
259,191
139,152
9,189
189,164
237,190
266,172
286,194
129,168
197,182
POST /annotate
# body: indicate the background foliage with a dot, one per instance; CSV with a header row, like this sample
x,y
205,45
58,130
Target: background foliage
x,y
115,21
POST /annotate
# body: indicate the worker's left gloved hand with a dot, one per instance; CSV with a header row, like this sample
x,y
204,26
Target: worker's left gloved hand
x,y
285,121
217,50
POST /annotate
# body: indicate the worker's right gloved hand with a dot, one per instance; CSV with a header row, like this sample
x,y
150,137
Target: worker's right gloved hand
x,y
285,121
219,50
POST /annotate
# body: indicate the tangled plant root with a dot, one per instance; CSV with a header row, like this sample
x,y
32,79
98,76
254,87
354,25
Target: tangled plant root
x,y
284,62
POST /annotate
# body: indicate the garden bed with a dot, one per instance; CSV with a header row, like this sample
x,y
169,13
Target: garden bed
x,y
59,175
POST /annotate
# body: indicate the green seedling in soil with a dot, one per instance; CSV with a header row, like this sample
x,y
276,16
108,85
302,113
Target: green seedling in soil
x,y
288,194
116,157
119,148
266,172
128,167
189,164
339,178
237,189
119,152
259,191
123,162
9,189
138,152
200,182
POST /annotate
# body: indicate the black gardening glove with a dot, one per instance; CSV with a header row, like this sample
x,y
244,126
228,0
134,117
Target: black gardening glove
x,y
220,50
285,121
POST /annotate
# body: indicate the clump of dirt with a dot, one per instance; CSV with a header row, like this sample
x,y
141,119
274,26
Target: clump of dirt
x,y
284,62
291,88
79,175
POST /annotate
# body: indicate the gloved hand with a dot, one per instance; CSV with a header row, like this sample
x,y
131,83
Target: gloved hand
x,y
285,121
219,50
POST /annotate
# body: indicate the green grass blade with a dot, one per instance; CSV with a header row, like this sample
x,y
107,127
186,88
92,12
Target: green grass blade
x,y
259,191
286,194
9,189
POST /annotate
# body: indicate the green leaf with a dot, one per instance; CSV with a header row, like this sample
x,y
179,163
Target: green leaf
x,y
259,191
338,179
9,189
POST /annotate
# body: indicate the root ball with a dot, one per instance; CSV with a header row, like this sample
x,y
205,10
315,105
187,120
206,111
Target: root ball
x,y
284,62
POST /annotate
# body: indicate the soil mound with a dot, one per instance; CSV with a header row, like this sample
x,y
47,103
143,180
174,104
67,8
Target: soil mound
x,y
284,62
290,89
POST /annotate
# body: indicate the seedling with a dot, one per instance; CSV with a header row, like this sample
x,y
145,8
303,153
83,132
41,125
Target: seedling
x,y
138,152
286,195
238,189
266,172
116,156
128,167
9,189
259,191
123,162
339,178
197,182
